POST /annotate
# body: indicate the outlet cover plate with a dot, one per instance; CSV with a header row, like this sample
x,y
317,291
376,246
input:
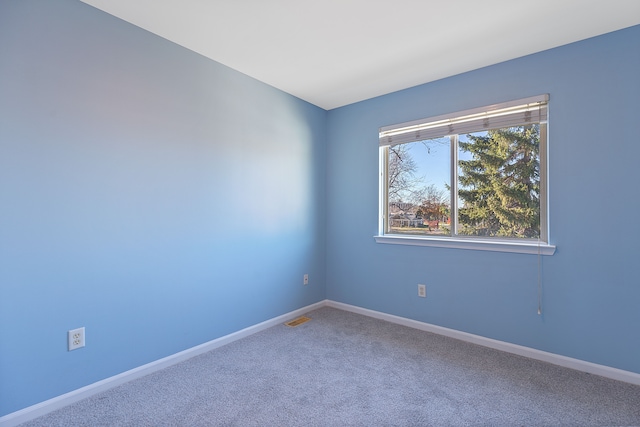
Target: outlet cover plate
x,y
75,338
422,291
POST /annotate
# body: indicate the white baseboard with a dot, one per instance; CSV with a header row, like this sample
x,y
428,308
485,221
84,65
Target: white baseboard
x,y
532,353
43,408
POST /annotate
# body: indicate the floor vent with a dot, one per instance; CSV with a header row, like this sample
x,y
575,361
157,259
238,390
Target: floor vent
x,y
298,321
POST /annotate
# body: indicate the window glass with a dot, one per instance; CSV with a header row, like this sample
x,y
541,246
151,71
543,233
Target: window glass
x,y
419,182
499,183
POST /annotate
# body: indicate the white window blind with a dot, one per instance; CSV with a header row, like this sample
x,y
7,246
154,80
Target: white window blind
x,y
513,113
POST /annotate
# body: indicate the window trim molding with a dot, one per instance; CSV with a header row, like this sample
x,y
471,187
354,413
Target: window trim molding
x,y
525,247
495,244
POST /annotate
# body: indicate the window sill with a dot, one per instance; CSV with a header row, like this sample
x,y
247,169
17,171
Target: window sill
x,y
476,244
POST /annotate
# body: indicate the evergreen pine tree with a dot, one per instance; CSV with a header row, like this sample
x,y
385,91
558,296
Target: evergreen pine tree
x,y
500,185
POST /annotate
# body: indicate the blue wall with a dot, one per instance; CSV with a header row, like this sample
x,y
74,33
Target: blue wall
x,y
153,196
591,292
162,200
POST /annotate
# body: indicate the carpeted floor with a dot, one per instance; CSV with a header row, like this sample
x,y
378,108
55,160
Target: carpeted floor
x,y
344,369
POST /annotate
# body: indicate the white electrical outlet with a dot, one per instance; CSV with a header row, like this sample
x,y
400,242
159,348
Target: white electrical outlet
x,y
75,338
422,291
305,279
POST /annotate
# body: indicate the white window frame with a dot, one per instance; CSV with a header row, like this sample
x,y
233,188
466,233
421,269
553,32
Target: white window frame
x,y
463,122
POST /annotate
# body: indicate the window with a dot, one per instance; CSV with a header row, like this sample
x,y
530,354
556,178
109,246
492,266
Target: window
x,y
475,179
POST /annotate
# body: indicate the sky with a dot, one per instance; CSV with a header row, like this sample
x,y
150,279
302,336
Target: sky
x,y
433,160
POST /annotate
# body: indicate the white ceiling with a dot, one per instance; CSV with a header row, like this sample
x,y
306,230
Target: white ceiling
x,y
336,52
